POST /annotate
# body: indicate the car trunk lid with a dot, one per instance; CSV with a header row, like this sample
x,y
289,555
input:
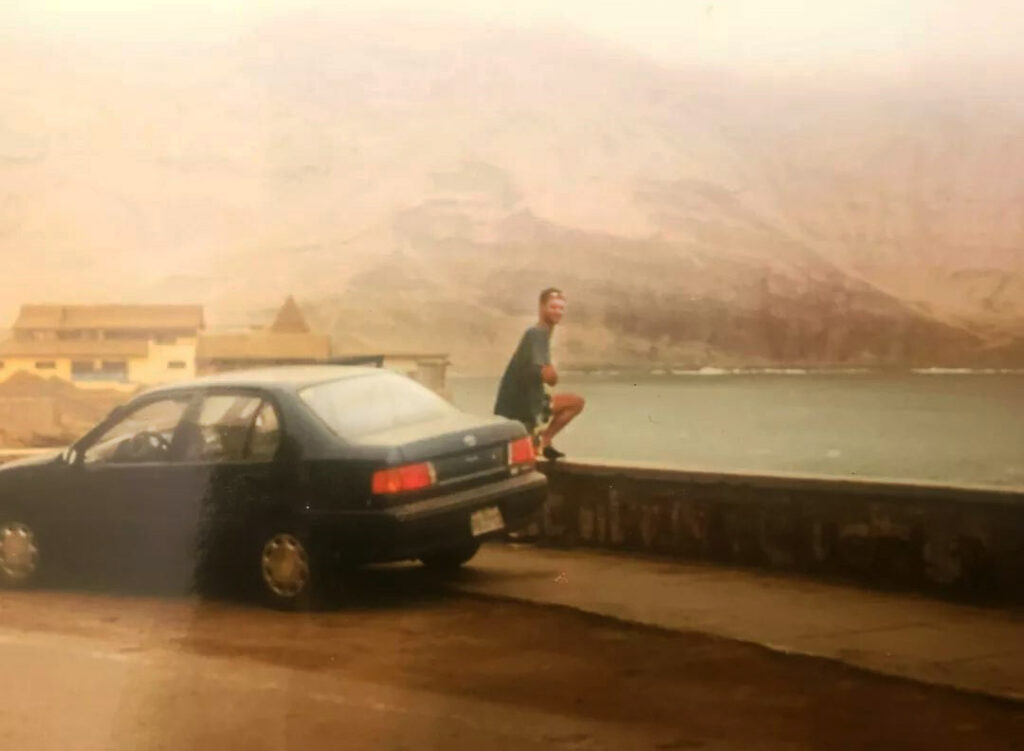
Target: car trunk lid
x,y
460,446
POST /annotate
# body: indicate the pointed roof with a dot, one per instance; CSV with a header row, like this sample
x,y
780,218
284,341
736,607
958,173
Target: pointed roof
x,y
290,319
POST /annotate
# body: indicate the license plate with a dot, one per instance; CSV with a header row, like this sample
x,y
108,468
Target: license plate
x,y
486,520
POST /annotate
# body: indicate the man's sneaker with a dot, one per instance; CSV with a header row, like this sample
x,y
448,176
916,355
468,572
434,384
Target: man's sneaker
x,y
551,453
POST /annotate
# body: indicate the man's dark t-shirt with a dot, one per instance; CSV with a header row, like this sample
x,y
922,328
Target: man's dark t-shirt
x,y
521,392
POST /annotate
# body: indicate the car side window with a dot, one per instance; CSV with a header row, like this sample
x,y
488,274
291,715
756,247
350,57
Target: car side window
x,y
220,429
144,435
265,436
231,428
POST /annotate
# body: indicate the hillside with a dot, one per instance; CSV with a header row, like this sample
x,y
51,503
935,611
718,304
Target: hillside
x,y
415,188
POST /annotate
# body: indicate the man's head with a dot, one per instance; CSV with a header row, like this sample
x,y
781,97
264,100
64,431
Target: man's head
x,y
552,306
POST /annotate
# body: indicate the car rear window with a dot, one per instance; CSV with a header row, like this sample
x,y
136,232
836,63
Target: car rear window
x,y
364,405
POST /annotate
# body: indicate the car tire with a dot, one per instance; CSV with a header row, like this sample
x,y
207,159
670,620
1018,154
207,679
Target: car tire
x,y
450,559
19,554
287,574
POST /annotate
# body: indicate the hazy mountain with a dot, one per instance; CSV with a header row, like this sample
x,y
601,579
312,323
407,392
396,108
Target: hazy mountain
x,y
415,187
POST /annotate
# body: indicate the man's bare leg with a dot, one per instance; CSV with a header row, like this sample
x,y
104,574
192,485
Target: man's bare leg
x,y
564,408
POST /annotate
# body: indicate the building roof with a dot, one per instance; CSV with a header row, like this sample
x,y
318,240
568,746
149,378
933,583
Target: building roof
x,y
290,319
149,317
75,348
268,346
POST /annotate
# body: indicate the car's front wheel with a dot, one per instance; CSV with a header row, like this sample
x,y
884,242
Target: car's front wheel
x,y
287,570
450,559
19,554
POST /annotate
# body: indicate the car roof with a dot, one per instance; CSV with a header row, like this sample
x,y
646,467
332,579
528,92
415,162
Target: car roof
x,y
283,378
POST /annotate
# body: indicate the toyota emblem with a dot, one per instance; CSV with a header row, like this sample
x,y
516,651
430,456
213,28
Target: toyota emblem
x,y
469,440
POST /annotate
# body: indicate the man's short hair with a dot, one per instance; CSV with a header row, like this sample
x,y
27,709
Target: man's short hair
x,y
549,293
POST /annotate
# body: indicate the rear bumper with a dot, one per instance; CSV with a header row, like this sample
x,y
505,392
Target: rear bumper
x,y
438,523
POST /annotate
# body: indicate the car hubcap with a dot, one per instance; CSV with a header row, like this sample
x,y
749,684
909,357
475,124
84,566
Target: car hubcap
x,y
285,565
18,552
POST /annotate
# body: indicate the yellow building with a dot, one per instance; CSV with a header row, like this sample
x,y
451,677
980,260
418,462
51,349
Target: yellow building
x,y
104,346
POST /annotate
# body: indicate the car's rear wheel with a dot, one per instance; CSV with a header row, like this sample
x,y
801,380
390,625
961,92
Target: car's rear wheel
x,y
450,559
19,554
286,570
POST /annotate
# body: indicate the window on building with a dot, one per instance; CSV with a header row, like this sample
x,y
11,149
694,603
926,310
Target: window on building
x,y
177,365
83,370
109,370
45,365
166,339
124,334
1,364
114,370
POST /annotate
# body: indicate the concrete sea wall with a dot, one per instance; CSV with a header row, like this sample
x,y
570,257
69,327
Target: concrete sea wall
x,y
966,537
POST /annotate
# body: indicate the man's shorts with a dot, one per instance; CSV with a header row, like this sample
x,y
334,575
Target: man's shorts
x,y
545,412
534,423
540,421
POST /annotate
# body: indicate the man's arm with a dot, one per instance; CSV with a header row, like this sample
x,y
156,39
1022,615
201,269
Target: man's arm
x,y
540,354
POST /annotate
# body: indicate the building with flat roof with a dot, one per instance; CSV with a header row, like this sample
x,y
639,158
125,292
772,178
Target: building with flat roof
x,y
108,346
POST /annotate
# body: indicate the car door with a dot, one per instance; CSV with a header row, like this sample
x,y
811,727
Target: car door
x,y
140,511
240,434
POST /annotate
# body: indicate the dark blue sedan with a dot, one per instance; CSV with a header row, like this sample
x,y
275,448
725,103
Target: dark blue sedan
x,y
279,478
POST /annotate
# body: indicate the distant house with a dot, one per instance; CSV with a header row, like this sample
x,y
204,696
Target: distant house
x,y
109,346
287,341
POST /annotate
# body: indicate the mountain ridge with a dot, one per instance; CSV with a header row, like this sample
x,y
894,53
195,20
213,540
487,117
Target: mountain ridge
x,y
417,188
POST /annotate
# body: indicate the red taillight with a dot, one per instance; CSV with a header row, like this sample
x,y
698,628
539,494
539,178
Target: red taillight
x,y
521,451
403,479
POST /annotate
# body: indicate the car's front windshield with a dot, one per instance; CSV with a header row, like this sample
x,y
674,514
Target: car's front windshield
x,y
364,405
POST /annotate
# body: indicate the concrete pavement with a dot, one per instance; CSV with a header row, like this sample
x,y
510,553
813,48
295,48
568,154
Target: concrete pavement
x,y
970,648
401,663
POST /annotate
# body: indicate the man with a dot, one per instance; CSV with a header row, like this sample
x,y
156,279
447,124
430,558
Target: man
x,y
521,394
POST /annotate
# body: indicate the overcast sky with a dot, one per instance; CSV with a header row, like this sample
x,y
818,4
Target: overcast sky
x,y
859,35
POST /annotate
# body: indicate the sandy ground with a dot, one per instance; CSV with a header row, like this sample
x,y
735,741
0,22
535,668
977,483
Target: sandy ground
x,y
406,664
